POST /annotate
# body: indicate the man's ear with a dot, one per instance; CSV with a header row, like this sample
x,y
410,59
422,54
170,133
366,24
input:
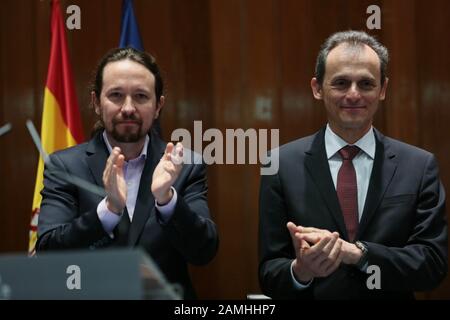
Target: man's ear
x,y
384,88
316,89
95,103
159,106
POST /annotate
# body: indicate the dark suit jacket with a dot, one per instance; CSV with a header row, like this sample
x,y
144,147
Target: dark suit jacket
x,y
403,222
68,215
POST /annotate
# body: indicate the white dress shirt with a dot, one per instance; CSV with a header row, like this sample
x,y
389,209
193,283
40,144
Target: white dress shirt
x,y
362,162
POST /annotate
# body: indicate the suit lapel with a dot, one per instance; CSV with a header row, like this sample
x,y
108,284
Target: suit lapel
x,y
383,170
145,202
317,164
97,155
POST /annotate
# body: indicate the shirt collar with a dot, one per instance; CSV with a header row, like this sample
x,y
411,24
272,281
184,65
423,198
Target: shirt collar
x,y
143,153
334,143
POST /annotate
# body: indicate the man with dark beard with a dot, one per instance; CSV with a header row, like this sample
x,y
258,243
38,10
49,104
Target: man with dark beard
x,y
153,199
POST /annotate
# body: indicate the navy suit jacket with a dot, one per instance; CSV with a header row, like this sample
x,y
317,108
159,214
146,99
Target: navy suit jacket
x,y
68,214
403,223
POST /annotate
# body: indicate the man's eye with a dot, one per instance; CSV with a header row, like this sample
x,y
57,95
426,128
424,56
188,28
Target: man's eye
x,y
115,95
367,84
141,96
340,83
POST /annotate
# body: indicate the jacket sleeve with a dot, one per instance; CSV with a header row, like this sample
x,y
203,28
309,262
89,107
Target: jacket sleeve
x,y
422,263
190,228
276,251
60,225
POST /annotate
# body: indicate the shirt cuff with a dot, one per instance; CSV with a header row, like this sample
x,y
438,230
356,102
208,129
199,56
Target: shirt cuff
x,y
108,218
364,267
297,284
166,211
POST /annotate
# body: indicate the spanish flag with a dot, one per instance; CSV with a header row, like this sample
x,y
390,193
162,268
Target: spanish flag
x,y
61,123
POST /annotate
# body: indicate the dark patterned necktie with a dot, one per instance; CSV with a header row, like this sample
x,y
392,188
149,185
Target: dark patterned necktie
x,y
347,190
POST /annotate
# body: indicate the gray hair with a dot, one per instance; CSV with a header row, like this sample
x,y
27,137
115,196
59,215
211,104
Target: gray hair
x,y
355,39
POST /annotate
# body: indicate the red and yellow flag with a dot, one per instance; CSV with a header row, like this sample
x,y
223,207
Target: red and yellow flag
x,y
61,124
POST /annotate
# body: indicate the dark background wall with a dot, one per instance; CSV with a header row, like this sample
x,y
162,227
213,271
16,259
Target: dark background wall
x,y
232,64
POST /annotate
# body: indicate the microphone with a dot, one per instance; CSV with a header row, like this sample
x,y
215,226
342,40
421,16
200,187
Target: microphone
x,y
52,169
5,129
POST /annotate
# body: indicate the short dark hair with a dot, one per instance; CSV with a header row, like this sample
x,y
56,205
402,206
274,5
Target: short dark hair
x,y
129,53
352,38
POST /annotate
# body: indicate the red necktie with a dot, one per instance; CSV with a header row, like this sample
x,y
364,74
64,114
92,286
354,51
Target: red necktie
x,y
347,190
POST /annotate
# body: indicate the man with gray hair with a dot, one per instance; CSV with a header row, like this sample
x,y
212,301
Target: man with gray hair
x,y
352,213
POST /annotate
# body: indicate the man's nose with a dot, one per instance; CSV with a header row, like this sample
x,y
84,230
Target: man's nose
x,y
128,106
353,93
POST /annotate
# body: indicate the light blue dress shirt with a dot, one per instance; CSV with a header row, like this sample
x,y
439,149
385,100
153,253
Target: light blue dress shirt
x,y
132,173
362,162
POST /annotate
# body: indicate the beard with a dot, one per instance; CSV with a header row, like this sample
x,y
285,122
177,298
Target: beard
x,y
127,133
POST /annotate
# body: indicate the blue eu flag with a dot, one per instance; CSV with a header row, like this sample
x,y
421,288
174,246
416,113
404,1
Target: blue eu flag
x,y
129,34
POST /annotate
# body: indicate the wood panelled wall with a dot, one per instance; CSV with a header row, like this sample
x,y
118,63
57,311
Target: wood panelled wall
x,y
232,64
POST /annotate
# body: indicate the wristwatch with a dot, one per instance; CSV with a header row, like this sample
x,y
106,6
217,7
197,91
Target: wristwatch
x,y
363,260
